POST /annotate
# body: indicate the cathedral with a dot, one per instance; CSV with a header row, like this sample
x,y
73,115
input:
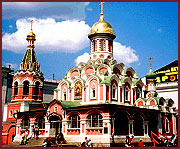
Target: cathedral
x,y
101,99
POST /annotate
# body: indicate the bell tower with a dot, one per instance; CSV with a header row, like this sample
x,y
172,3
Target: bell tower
x,y
101,37
28,80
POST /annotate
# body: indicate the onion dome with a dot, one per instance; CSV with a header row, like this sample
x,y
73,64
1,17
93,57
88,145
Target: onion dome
x,y
31,35
150,74
102,26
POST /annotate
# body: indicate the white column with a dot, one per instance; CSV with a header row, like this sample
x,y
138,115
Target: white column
x,y
131,95
159,126
131,128
108,122
174,124
146,128
82,122
47,127
123,94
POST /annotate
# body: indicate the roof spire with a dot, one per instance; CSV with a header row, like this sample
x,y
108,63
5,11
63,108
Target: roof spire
x,y
31,24
150,70
101,15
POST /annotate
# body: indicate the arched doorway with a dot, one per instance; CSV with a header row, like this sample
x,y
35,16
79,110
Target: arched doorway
x,y
12,130
152,124
55,125
121,126
138,125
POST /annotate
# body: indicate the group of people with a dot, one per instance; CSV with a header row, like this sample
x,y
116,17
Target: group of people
x,y
130,144
35,132
59,141
86,143
25,137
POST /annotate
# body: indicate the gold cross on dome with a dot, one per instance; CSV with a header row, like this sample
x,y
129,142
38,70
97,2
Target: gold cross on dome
x,y
31,24
102,3
150,61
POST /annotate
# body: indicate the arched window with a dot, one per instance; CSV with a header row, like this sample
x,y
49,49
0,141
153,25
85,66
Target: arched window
x,y
25,123
94,45
94,120
26,88
74,121
114,91
93,91
64,94
127,91
110,45
167,125
102,44
16,88
37,88
138,93
40,122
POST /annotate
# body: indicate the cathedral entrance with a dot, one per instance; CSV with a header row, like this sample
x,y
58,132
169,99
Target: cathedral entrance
x,y
55,126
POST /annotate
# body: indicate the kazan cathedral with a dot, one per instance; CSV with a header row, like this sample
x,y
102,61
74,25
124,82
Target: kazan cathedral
x,y
101,99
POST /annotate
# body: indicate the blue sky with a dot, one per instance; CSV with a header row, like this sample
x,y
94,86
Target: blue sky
x,y
142,30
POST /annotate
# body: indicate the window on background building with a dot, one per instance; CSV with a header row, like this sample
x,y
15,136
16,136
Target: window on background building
x,y
94,45
10,113
25,123
26,88
74,121
94,120
16,88
110,45
40,122
114,91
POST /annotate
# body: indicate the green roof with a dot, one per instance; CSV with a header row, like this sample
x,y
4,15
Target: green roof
x,y
108,79
150,75
68,104
144,99
95,66
98,77
157,99
123,79
67,81
136,81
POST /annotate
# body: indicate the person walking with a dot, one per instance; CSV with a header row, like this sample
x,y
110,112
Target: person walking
x,y
37,133
90,143
33,132
140,144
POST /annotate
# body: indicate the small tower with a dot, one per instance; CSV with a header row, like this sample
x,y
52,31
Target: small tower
x,y
101,37
28,80
151,81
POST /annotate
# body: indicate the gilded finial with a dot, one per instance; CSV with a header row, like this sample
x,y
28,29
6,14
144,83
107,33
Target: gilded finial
x,y
101,15
150,70
102,3
31,24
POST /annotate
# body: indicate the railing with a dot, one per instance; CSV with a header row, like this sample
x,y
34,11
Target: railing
x,y
73,131
153,139
94,131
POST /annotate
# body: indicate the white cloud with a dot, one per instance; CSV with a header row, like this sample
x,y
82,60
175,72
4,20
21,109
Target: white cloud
x,y
124,53
82,58
10,26
58,10
64,36
13,66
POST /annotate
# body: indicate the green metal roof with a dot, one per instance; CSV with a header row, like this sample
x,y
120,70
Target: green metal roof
x,y
123,79
68,104
108,79
136,81
67,81
150,75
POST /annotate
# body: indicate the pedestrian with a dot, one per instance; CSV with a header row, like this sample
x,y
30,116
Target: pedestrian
x,y
33,132
130,141
13,135
84,142
127,141
37,132
25,138
173,138
90,143
140,144
58,139
49,142
45,143
22,141
61,138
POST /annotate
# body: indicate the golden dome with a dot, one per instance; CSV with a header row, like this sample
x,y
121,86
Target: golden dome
x,y
31,35
101,27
